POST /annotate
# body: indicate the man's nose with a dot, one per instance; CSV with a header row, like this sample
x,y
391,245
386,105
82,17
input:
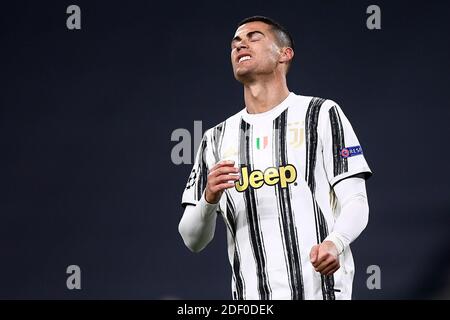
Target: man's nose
x,y
242,45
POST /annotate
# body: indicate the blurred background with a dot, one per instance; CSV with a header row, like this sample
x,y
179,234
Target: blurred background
x,y
86,173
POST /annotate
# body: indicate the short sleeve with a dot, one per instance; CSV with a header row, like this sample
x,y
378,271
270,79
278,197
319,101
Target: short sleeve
x,y
196,182
342,152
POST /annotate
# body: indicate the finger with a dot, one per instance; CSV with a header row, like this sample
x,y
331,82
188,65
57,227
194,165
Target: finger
x,y
324,265
334,270
322,255
215,180
223,170
321,267
317,262
331,271
225,177
222,163
227,169
313,254
329,268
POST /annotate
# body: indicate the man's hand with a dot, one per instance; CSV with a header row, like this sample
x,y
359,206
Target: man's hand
x,y
324,258
218,180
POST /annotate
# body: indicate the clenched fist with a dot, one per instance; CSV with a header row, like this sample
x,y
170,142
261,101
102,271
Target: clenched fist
x,y
324,258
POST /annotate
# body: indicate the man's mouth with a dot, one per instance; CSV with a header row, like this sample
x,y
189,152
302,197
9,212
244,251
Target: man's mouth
x,y
244,58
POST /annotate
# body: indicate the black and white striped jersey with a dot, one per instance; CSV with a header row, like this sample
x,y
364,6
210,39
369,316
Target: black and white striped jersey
x,y
289,158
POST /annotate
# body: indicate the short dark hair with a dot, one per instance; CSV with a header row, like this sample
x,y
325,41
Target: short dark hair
x,y
283,36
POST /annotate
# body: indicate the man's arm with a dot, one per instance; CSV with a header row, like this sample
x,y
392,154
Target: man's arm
x,y
198,223
353,218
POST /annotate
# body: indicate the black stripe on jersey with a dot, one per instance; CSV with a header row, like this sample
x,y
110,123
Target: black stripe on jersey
x,y
311,124
256,237
237,273
286,216
340,164
202,171
321,226
231,214
217,136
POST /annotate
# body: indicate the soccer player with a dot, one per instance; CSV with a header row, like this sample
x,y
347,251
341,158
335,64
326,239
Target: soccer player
x,y
287,174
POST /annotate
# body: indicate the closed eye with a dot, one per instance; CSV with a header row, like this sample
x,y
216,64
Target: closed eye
x,y
252,36
255,36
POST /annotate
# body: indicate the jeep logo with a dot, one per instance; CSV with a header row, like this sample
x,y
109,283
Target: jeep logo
x,y
271,176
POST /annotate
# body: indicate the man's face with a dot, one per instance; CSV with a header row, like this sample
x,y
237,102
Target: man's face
x,y
254,51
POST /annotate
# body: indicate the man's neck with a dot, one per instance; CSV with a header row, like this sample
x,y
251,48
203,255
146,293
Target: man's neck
x,y
263,96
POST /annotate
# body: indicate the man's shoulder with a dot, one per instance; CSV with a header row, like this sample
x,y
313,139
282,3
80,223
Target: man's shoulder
x,y
307,101
232,120
235,118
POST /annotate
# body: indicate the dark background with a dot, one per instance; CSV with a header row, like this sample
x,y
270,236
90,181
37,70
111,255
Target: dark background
x,y
87,117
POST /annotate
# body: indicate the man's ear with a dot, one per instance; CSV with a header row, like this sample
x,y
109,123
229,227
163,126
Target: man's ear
x,y
287,53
